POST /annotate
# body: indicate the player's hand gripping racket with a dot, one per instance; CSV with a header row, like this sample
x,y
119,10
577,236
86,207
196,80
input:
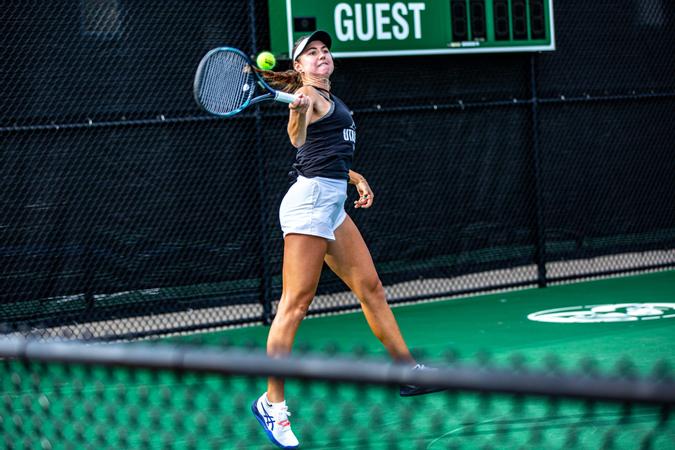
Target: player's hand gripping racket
x,y
226,83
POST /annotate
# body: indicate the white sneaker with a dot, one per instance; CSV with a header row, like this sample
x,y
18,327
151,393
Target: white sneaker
x,y
274,421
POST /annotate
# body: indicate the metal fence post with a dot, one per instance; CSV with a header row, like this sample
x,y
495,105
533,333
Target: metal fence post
x,y
264,272
539,231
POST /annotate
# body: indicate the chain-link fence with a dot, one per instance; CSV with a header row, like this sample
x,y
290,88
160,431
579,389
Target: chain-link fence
x,y
121,200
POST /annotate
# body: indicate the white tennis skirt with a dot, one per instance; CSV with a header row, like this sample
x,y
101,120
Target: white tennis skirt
x,y
314,206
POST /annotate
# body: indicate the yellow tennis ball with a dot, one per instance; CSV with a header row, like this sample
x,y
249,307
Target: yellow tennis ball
x,y
266,61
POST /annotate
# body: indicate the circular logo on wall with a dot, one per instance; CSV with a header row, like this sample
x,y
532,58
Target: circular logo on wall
x,y
619,312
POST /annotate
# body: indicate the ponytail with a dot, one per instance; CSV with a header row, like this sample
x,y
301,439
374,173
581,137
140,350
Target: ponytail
x,y
287,81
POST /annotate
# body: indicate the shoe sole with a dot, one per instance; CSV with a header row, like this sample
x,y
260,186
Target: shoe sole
x,y
421,391
269,434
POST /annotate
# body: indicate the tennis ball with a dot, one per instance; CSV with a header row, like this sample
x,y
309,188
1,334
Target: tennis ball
x,y
266,61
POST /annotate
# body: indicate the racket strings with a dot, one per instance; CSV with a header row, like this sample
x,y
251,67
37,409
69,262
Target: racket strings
x,y
227,82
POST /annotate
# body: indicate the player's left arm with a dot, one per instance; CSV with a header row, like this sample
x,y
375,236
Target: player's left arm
x,y
366,195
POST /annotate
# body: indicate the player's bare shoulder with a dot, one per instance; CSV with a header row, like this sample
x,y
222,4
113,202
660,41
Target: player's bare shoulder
x,y
320,105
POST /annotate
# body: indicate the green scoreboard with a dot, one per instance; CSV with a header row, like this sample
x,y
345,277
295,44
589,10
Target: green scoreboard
x,y
423,27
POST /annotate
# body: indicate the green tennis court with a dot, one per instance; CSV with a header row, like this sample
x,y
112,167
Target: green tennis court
x,y
497,327
497,324
73,406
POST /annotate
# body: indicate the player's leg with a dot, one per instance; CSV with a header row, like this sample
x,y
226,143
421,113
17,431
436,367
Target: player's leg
x,y
302,264
303,261
349,257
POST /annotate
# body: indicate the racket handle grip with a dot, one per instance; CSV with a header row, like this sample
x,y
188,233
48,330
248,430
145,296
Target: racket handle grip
x,y
284,97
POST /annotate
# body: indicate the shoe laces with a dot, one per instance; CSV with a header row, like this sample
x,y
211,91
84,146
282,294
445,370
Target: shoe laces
x,y
281,416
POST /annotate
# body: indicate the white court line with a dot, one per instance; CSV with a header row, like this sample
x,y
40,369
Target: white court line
x,y
456,430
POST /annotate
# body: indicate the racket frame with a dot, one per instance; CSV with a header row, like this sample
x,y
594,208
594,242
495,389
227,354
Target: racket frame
x,y
270,95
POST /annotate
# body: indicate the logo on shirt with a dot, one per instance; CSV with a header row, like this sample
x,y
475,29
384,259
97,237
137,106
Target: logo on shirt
x,y
349,134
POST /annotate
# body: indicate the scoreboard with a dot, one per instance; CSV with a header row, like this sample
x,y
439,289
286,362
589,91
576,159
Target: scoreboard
x,y
422,27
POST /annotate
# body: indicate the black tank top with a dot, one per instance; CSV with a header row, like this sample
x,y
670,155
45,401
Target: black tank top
x,y
329,147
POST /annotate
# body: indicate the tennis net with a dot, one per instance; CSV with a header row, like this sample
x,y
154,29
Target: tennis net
x,y
69,395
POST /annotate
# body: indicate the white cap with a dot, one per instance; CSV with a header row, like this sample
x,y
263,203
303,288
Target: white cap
x,y
316,36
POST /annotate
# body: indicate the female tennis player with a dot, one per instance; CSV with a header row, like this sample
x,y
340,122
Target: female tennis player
x,y
316,227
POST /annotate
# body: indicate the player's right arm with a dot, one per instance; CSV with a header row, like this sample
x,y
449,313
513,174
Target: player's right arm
x,y
299,117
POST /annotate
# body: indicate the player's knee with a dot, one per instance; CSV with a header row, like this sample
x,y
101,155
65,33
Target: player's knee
x,y
297,313
371,290
294,306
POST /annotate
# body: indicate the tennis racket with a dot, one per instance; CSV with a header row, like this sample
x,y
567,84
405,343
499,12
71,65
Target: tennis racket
x,y
226,83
